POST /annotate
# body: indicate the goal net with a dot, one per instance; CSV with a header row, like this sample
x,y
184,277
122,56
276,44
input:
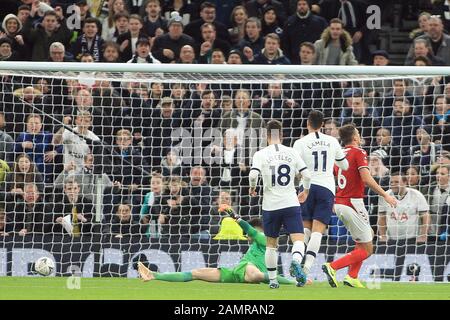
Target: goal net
x,y
103,166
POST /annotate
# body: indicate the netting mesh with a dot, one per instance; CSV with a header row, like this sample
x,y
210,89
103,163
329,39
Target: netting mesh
x,y
101,170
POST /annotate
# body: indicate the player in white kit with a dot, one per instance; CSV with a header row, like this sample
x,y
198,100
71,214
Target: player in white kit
x,y
320,153
279,166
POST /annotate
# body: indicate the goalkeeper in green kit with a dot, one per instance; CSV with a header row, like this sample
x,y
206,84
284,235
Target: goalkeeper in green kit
x,y
251,268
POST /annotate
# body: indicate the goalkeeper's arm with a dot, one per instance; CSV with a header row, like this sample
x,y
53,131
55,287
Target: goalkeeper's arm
x,y
246,227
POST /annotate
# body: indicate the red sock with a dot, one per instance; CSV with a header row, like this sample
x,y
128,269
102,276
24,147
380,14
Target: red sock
x,y
353,270
357,255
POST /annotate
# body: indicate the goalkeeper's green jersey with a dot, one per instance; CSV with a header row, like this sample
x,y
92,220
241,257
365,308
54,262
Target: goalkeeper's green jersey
x,y
256,253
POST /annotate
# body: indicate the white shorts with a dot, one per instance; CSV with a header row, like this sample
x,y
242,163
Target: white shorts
x,y
356,219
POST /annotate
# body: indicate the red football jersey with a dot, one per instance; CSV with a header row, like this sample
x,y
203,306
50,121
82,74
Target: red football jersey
x,y
350,184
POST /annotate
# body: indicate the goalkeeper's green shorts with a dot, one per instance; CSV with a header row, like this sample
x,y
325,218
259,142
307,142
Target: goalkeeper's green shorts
x,y
234,275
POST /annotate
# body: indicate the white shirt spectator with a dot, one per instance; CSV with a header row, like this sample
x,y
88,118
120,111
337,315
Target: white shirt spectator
x,y
403,221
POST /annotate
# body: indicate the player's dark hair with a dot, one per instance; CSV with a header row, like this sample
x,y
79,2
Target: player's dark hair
x,y
401,174
256,223
274,129
315,119
347,132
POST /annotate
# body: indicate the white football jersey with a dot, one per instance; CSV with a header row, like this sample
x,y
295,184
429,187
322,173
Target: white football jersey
x,y
403,221
75,147
278,165
320,152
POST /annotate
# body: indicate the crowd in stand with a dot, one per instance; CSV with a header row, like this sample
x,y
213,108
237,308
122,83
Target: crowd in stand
x,y
117,147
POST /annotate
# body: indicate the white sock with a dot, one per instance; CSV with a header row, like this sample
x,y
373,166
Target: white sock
x,y
312,250
271,258
307,235
298,251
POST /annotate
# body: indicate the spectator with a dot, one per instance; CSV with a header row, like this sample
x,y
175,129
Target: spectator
x,y
121,223
439,121
439,41
423,20
380,58
226,103
271,54
143,54
111,52
180,96
257,8
158,130
85,14
171,165
402,124
23,12
253,41
128,163
187,55
180,213
330,128
117,10
184,8
409,220
207,14
12,27
303,26
390,153
224,199
235,57
167,47
154,24
25,214
52,29
36,143
6,142
6,52
271,22
200,190
121,27
422,48
3,222
274,103
358,113
89,42
24,172
87,179
128,40
440,201
415,180
353,15
238,18
399,90
335,46
72,212
380,174
307,53
217,56
57,53
151,206
210,42
74,142
424,154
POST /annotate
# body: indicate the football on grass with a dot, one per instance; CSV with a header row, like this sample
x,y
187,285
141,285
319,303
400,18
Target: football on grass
x,y
44,266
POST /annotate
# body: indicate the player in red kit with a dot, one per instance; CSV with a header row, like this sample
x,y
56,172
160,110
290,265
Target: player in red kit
x,y
350,209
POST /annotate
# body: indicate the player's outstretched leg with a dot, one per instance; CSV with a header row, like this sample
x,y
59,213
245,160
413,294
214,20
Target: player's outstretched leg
x,y
145,273
331,274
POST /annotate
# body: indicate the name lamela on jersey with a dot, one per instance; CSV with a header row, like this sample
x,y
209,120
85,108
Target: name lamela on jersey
x,y
279,157
319,143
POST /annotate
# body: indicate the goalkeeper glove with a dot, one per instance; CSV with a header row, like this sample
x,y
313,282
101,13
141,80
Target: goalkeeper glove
x,y
230,212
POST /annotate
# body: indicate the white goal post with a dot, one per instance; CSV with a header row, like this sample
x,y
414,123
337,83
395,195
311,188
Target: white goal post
x,y
168,143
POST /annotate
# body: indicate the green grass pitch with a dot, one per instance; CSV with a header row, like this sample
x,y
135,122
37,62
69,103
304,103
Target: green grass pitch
x,y
121,288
